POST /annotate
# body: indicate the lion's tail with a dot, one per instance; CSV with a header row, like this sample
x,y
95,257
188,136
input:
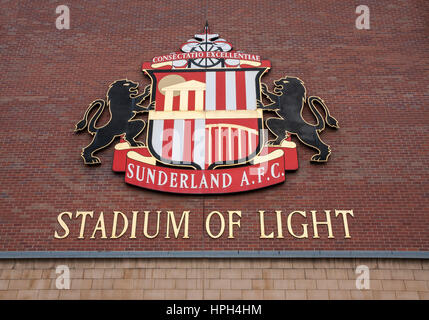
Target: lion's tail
x,y
329,120
82,124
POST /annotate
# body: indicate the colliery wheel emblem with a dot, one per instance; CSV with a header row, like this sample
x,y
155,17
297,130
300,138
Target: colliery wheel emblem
x,y
205,129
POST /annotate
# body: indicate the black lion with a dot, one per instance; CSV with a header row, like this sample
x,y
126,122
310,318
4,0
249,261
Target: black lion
x,y
288,101
123,102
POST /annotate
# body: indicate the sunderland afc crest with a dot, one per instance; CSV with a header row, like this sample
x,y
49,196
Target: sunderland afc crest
x,y
205,130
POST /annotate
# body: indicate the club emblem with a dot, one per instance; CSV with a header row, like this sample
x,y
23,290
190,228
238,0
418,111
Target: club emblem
x,y
205,129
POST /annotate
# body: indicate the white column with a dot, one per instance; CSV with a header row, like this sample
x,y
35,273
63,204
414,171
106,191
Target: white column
x,y
199,100
183,100
168,104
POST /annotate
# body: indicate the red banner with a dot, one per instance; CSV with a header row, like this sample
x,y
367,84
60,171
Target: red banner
x,y
142,170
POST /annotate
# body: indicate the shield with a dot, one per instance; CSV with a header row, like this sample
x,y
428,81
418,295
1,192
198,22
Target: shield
x,y
205,118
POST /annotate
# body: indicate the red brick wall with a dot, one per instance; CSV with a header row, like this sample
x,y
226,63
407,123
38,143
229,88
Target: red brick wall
x,y
374,81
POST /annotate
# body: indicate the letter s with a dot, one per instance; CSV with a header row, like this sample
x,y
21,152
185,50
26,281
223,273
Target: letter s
x,y
63,225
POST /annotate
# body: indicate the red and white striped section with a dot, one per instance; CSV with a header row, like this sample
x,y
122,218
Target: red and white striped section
x,y
210,91
231,90
196,141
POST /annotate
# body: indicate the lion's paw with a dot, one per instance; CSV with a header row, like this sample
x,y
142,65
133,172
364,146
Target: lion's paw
x,y
319,158
92,160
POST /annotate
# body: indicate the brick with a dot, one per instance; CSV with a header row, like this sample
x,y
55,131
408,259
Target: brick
x,y
305,284
230,273
398,264
134,273
19,284
32,274
327,284
416,285
281,263
188,284
296,294
144,283
293,274
159,273
11,274
324,263
318,294
93,273
231,294
81,264
345,264
302,263
262,284
225,263
347,284
211,294
240,263
175,294
123,284
4,284
113,273
45,264
384,295
27,294
93,294
153,294
379,274
361,294
220,284
393,285
251,273
422,295
194,294
253,294
175,274
315,274
421,275
40,284
402,274
284,284
194,273
7,264
8,294
407,295
81,284
48,294
376,284
125,263
69,295
272,274
104,264
336,274
241,284
339,294
24,264
145,263
164,284
105,284
274,294
212,274
259,263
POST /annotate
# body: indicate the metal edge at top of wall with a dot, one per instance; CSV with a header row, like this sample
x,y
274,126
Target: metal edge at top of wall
x,y
214,254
